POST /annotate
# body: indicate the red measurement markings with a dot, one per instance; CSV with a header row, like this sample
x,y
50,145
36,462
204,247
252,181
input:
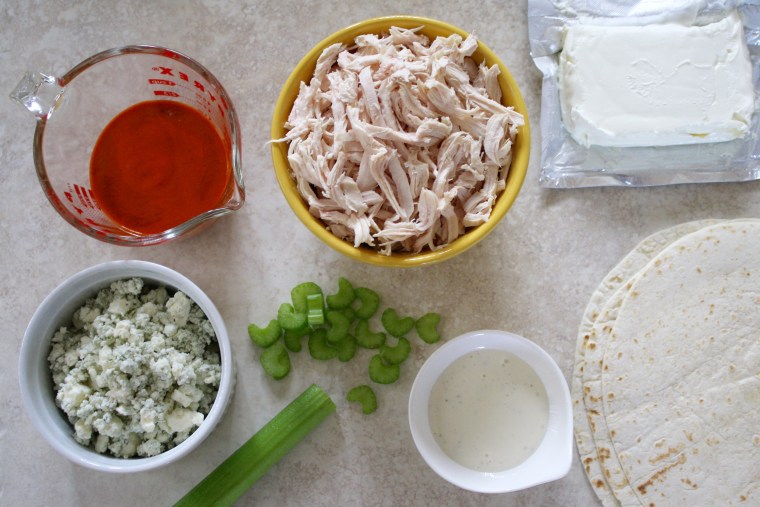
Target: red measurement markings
x,y
84,198
162,82
168,71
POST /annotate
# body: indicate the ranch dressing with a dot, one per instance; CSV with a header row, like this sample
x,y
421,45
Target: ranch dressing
x,y
488,411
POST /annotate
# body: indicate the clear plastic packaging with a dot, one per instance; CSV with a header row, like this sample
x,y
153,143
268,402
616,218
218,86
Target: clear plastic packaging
x,y
567,164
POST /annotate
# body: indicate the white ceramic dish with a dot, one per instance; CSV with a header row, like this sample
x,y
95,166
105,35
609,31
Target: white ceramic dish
x,y
36,382
553,457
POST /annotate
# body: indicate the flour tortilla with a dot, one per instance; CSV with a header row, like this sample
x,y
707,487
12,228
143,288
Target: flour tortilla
x,y
680,375
617,278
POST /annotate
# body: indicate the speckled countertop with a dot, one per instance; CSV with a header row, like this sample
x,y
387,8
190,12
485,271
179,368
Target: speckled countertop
x,y
533,275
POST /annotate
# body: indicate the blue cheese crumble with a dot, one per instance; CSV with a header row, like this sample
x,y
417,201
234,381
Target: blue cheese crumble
x,y
137,371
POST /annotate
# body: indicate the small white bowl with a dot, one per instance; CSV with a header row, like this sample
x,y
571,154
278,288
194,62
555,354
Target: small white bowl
x,y
56,310
549,462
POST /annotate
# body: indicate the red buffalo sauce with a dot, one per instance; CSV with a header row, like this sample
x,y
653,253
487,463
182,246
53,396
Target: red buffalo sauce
x,y
158,164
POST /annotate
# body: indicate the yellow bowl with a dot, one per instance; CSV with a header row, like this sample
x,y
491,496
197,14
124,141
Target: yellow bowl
x,y
303,72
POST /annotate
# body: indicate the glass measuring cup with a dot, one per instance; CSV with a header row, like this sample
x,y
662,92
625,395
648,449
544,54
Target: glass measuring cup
x,y
74,109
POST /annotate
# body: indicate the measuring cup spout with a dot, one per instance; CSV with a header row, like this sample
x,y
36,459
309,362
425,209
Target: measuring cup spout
x,y
39,93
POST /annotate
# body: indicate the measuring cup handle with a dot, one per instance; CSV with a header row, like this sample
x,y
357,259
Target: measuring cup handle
x,y
39,93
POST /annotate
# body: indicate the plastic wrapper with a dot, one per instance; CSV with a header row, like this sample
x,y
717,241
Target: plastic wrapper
x,y
567,164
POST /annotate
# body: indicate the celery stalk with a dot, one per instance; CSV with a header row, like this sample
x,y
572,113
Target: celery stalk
x,y
254,458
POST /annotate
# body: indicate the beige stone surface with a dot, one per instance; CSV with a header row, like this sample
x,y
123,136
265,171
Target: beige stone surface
x,y
532,276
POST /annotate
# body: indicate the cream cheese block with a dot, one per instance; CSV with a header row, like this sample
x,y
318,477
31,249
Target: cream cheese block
x,y
656,85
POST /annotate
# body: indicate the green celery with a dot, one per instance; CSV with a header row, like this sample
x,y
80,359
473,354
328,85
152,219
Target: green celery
x,y
344,297
370,301
265,336
364,395
319,347
290,319
254,458
382,372
315,310
397,354
300,292
339,325
292,340
427,327
395,325
346,348
276,361
366,338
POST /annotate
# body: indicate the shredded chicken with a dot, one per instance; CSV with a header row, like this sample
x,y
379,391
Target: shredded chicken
x,y
400,143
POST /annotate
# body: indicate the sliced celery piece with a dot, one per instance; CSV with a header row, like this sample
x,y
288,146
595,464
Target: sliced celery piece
x,y
265,336
370,301
319,347
315,310
427,327
346,348
397,354
300,292
382,372
275,361
366,338
290,319
339,325
395,325
343,298
293,339
364,395
349,313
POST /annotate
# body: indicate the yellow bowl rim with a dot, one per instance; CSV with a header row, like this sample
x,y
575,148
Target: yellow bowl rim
x,y
515,178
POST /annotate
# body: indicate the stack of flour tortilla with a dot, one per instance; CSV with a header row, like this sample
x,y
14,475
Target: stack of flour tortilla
x,y
666,387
